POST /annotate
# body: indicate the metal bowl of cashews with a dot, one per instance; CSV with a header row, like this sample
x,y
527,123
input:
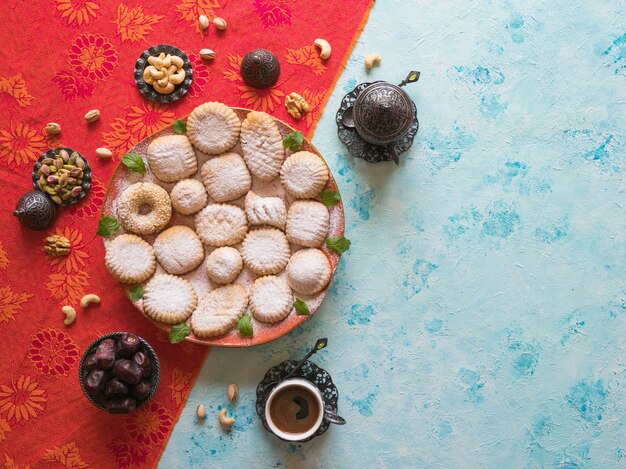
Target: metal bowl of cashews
x,y
163,73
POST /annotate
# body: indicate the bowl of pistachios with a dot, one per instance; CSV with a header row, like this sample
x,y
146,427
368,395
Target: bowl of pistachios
x,y
63,174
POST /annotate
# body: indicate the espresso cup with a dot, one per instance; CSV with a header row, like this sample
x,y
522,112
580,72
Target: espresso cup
x,y
295,410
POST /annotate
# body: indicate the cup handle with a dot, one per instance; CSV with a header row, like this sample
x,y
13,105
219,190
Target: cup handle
x,y
332,417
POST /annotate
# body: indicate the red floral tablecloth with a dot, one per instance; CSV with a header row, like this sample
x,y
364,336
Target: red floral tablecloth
x,y
62,58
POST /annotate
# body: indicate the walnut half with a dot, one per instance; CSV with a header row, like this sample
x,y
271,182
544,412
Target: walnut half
x,y
57,246
296,105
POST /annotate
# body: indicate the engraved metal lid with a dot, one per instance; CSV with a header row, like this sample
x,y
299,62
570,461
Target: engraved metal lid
x,y
383,113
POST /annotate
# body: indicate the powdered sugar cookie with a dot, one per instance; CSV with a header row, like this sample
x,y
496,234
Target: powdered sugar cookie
x,y
130,259
178,249
188,196
304,175
308,271
144,208
262,145
271,299
213,128
169,299
265,210
226,177
221,224
265,251
224,265
307,223
219,311
172,158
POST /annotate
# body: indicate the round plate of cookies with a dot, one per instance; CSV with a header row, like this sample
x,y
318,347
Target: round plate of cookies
x,y
230,227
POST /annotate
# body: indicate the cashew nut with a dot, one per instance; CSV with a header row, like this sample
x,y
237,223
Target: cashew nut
x,y
70,315
178,77
324,47
147,77
200,412
371,60
154,73
167,61
162,55
88,299
167,89
177,61
163,81
226,421
156,61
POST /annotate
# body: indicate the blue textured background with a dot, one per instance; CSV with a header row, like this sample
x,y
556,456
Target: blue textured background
x,y
478,319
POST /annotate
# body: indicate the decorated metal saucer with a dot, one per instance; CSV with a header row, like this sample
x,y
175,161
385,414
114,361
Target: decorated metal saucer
x,y
377,121
306,370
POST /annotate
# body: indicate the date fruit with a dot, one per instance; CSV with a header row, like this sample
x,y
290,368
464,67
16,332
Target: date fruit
x,y
128,345
115,388
105,354
95,381
141,391
90,362
121,406
128,371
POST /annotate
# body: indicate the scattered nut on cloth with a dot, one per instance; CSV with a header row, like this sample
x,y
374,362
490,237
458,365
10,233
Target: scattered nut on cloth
x,y
89,299
57,246
296,105
70,315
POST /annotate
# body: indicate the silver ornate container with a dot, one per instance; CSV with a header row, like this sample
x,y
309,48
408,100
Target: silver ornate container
x,y
378,121
382,113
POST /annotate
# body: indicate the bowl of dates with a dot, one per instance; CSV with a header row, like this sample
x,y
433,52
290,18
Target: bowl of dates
x,y
119,372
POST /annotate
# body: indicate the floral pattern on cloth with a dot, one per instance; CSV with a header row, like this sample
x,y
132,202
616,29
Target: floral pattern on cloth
x,y
89,48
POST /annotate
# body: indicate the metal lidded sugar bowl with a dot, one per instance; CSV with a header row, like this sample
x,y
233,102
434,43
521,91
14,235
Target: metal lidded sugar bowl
x,y
378,121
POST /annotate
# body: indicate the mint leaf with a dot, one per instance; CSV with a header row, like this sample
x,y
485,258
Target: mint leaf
x,y
179,332
301,307
179,127
107,226
134,162
330,197
245,326
135,293
338,244
293,141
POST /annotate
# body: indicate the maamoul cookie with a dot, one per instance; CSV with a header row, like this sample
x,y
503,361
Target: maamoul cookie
x,y
178,249
265,210
189,196
213,128
172,158
262,145
265,251
308,271
224,264
144,208
307,223
226,177
221,224
169,299
304,175
219,311
271,299
130,259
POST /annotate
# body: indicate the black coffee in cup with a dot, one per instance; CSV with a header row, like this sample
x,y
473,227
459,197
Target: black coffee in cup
x,y
294,409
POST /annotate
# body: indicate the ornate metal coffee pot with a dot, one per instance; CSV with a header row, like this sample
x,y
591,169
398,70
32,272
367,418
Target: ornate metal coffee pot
x,y
377,121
